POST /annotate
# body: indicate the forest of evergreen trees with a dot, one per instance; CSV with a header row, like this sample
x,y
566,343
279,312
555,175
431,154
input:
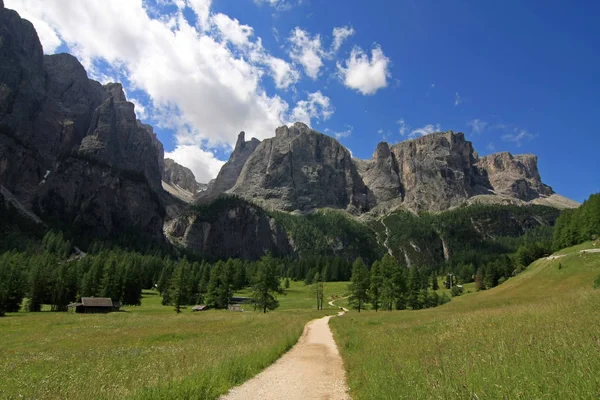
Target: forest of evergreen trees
x,y
38,268
578,225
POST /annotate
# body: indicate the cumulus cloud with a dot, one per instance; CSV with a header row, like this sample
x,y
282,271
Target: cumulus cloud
x,y
426,130
477,125
364,75
203,80
203,164
317,106
340,34
307,51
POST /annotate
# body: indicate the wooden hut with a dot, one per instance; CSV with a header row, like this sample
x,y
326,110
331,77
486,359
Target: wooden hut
x,y
95,305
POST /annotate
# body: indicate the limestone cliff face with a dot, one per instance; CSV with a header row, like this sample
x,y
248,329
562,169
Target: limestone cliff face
x,y
178,175
229,229
515,176
437,171
230,171
70,148
301,169
381,174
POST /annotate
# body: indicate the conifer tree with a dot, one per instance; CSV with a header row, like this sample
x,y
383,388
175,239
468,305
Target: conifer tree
x,y
376,286
359,284
266,284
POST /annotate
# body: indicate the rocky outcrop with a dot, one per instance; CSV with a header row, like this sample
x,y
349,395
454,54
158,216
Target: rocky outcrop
x,y
178,175
229,228
437,171
515,176
70,148
230,171
380,174
301,169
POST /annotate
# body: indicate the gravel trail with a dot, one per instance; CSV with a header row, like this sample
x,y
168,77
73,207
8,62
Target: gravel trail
x,y
312,369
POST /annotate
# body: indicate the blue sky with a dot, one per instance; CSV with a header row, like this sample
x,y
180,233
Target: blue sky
x,y
518,76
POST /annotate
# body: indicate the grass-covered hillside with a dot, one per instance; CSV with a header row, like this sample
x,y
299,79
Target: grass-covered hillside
x,y
148,352
534,336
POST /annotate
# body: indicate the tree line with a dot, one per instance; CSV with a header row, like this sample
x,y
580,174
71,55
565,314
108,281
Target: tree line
x,y
391,286
578,225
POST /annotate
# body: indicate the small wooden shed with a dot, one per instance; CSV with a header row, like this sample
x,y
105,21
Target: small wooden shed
x,y
95,305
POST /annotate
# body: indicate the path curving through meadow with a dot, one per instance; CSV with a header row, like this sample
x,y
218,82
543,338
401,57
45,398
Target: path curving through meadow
x,y
312,369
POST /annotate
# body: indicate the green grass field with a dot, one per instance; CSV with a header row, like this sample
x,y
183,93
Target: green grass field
x,y
535,336
148,352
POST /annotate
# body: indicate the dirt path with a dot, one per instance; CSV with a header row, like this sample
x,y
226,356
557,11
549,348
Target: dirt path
x,y
312,369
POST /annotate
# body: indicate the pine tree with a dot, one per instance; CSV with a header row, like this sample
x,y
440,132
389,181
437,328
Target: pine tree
x,y
287,283
267,284
38,281
112,283
434,282
359,284
376,286
178,288
400,286
64,287
479,285
414,288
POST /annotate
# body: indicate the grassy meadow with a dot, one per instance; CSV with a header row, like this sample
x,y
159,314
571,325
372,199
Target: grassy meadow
x,y
535,336
148,352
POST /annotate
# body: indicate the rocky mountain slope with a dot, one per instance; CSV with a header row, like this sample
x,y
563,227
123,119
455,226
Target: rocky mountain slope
x,y
71,149
301,169
178,175
73,153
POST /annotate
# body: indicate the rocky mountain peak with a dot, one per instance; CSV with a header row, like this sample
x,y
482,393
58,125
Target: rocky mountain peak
x,y
179,176
115,90
516,176
301,169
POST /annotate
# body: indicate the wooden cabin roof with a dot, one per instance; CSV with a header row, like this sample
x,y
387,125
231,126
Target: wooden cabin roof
x,y
96,302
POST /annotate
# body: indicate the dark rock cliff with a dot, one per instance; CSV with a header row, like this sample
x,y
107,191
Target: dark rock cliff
x,y
70,148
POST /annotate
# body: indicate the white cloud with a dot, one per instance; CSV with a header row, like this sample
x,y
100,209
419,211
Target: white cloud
x,y
477,125
426,130
457,99
366,76
232,30
204,81
190,77
340,34
202,10
282,72
278,5
203,164
491,147
307,51
518,137
380,131
140,110
316,107
342,134
402,127
433,85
